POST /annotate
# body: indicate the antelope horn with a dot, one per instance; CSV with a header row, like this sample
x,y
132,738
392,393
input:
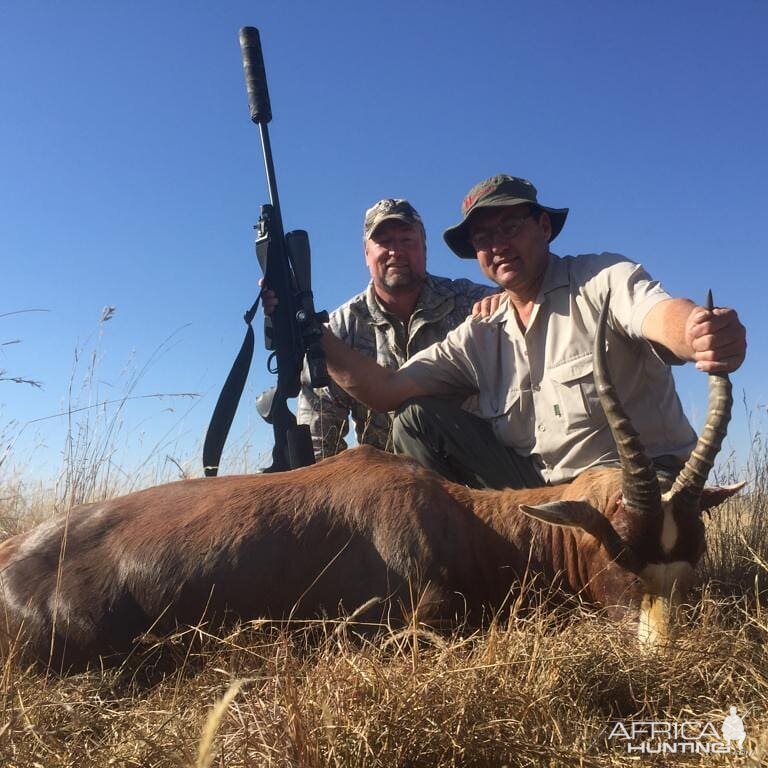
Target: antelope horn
x,y
640,484
688,485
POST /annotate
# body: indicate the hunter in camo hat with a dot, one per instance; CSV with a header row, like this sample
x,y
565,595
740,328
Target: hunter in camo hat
x,y
401,311
497,192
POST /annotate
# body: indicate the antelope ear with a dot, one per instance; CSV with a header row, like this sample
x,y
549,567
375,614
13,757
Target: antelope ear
x,y
570,514
712,495
580,514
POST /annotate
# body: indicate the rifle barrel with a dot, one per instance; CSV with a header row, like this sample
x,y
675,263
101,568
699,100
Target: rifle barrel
x,y
269,166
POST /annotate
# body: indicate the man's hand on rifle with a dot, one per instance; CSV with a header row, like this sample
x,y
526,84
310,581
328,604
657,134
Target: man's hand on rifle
x,y
268,298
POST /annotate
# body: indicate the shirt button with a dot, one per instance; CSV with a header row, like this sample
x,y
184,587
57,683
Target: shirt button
x,y
542,428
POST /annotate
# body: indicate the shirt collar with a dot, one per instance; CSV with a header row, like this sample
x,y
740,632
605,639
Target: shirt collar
x,y
433,303
556,276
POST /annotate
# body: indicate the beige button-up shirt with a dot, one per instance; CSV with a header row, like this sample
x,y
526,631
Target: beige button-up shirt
x,y
536,387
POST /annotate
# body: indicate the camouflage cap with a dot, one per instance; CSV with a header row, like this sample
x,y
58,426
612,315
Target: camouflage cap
x,y
497,192
390,208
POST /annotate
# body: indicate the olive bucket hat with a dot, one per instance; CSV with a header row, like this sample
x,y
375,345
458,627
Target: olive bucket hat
x,y
497,192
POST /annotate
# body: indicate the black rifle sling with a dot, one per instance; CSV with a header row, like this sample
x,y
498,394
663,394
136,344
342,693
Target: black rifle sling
x,y
229,399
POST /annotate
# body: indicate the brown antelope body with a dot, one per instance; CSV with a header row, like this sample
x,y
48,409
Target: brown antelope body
x,y
326,539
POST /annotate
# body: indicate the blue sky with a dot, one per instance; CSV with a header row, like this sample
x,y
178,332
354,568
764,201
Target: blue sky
x,y
130,175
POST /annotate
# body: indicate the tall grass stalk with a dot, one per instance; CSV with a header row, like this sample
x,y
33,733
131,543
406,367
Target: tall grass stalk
x,y
95,423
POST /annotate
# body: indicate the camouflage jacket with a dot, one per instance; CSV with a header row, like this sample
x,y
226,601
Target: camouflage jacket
x,y
365,326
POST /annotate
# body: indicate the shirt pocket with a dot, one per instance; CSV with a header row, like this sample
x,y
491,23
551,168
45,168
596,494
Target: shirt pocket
x,y
574,392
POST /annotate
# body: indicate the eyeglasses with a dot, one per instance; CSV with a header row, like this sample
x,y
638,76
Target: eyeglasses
x,y
483,240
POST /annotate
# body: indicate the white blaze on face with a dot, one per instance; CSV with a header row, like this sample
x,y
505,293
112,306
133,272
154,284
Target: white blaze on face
x,y
669,529
664,584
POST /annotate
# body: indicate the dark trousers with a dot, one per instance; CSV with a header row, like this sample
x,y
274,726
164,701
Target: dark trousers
x,y
442,436
461,447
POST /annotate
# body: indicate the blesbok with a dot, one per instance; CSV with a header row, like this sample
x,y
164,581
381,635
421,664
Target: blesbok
x,y
363,524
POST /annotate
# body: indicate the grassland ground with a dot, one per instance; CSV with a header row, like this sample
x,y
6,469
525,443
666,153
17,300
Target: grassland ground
x,y
540,689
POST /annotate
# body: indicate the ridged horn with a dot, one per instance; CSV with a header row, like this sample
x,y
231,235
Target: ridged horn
x,y
688,485
640,484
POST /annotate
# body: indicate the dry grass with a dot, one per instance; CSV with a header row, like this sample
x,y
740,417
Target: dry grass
x,y
540,690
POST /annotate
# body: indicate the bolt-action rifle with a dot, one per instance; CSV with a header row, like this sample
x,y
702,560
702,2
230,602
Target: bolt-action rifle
x,y
293,331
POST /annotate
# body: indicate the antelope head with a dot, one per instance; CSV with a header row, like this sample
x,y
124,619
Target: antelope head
x,y
646,542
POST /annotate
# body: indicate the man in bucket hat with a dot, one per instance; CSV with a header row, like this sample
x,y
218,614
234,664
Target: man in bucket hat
x,y
403,310
534,415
